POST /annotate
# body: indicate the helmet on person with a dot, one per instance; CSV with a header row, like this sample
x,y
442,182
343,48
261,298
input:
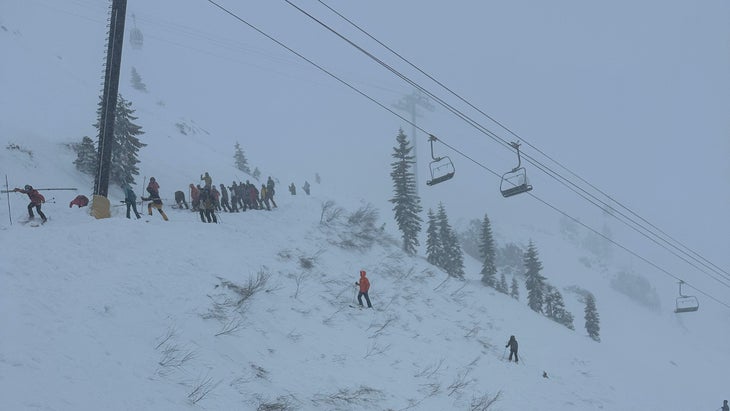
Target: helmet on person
x,y
362,273
28,187
152,179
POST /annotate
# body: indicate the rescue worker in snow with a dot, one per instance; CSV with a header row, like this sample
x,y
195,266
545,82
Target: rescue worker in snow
x,y
194,196
207,206
130,199
364,284
155,201
208,180
180,200
512,344
80,201
36,199
270,191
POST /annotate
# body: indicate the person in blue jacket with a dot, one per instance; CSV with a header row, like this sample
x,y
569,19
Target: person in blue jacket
x,y
130,199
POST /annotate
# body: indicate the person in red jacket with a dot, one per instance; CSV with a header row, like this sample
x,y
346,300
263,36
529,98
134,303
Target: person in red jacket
x,y
36,199
80,201
364,284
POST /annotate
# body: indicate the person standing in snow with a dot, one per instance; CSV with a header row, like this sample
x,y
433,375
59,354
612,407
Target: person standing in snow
x,y
194,196
364,284
36,199
208,180
130,199
270,191
207,206
512,344
224,199
725,407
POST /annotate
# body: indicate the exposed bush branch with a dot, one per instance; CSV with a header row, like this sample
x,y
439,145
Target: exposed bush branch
x,y
484,402
201,389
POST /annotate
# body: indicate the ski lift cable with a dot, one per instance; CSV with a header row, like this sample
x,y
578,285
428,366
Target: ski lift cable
x,y
691,254
666,272
510,131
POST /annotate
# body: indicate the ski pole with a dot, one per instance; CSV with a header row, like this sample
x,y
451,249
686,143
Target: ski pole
x,y
8,193
504,354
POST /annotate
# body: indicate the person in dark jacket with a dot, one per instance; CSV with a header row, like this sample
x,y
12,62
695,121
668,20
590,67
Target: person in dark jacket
x,y
216,198
293,189
364,284
305,187
130,199
80,201
512,344
180,200
224,199
36,199
207,206
725,407
154,198
270,191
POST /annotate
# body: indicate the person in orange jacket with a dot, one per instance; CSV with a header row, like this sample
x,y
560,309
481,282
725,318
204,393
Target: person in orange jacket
x,y
364,284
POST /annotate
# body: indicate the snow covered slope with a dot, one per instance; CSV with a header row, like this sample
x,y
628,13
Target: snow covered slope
x,y
255,312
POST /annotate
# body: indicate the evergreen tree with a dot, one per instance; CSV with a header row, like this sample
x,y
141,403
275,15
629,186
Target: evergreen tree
x,y
434,250
488,253
592,320
406,203
453,259
555,307
126,144
514,290
86,156
240,159
534,282
502,285
137,83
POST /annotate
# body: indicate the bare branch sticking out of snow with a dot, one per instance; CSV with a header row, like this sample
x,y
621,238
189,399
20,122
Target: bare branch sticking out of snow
x,y
201,389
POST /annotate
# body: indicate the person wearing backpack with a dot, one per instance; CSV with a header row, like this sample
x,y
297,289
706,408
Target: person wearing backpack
x,y
36,199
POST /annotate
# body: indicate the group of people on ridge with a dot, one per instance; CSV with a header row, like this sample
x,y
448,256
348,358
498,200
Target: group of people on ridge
x,y
238,197
206,199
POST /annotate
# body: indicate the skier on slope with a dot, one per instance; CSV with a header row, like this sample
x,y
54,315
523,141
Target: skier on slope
x,y
364,284
725,407
36,199
512,344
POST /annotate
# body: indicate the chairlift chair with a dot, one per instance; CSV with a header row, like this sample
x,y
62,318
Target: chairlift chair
x,y
515,181
686,303
135,35
441,168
